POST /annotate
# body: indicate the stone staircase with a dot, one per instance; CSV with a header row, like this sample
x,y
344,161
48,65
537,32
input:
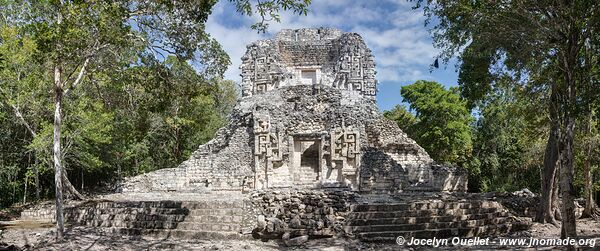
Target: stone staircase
x,y
162,219
427,219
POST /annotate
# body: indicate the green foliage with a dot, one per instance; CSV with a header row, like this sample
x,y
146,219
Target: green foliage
x,y
501,145
502,148
402,117
442,126
550,51
170,116
268,10
151,87
474,76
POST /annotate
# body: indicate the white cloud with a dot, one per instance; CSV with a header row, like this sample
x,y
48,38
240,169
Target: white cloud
x,y
233,39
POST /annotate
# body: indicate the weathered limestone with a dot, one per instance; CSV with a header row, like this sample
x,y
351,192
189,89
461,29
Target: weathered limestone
x,y
431,218
323,56
307,118
301,213
288,214
215,218
295,213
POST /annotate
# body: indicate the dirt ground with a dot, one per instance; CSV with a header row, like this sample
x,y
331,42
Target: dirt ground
x,y
36,236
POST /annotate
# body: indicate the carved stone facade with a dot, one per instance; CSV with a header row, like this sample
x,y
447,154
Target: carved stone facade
x,y
323,56
307,119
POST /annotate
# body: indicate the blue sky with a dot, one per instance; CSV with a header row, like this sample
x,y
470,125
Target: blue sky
x,y
401,44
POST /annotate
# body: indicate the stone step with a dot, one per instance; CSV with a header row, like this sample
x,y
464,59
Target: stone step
x,y
425,226
133,205
425,205
98,211
151,213
129,217
214,204
203,219
305,182
421,213
482,231
132,224
214,218
220,226
161,221
426,219
217,212
173,233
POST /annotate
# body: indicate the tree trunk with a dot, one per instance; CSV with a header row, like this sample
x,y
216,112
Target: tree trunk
x,y
567,135
70,188
58,176
26,178
37,177
546,211
547,208
25,193
81,179
566,181
588,211
555,206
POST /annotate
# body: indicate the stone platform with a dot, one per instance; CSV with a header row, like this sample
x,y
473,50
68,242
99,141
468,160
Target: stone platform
x,y
185,216
385,222
290,213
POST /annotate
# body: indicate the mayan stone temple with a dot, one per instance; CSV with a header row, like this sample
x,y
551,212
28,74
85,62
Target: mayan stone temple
x,y
307,119
306,154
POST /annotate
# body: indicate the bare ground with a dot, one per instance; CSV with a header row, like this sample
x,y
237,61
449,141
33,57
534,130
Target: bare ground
x,y
40,236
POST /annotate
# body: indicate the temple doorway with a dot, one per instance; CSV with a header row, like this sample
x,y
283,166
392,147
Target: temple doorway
x,y
307,161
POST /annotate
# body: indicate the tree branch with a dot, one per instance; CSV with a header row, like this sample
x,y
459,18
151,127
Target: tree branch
x,y
23,121
20,116
79,76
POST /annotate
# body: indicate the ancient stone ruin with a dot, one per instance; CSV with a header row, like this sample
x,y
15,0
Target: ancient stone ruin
x,y
306,154
307,119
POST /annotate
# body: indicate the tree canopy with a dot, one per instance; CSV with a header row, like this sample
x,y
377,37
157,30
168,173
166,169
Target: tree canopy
x,y
442,125
547,47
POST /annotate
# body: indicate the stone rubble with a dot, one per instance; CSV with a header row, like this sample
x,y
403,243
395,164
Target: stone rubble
x,y
301,213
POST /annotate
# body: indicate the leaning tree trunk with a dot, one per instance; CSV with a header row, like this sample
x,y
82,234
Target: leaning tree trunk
x,y
70,188
58,176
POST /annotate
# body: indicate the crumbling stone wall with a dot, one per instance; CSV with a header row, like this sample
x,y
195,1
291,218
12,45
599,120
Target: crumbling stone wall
x,y
301,213
224,163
